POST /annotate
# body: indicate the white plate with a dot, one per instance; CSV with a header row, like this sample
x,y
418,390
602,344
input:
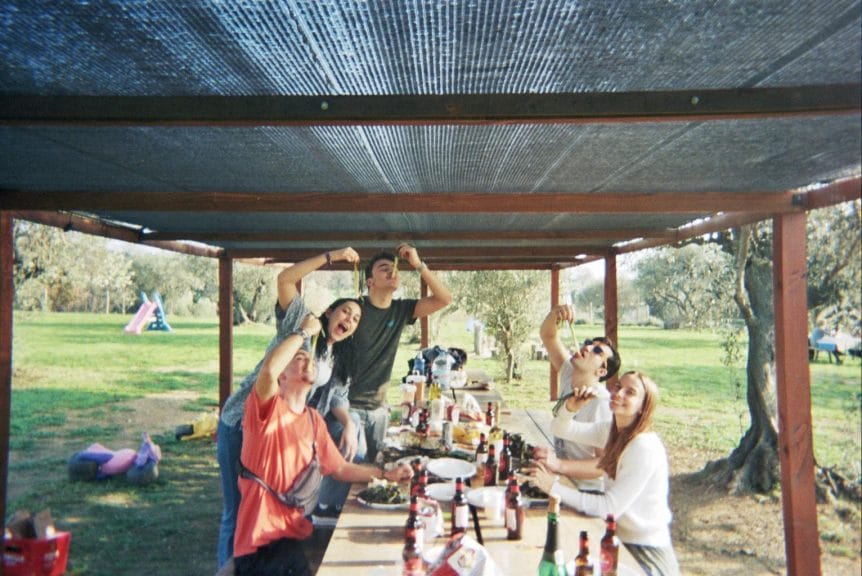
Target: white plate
x,y
400,506
442,491
451,468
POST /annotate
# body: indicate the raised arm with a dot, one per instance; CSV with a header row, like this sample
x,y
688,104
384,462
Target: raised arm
x,y
290,276
266,385
549,332
440,296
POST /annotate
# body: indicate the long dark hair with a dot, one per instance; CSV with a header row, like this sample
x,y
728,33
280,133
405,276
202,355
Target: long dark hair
x,y
343,351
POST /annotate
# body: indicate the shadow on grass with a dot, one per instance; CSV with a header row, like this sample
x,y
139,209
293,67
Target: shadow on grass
x,y
169,527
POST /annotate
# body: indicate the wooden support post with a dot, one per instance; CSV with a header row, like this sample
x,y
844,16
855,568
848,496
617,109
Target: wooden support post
x,y
225,333
6,300
795,447
423,322
611,320
553,377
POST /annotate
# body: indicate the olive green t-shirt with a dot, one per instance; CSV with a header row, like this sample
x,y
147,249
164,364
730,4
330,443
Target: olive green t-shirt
x,y
376,342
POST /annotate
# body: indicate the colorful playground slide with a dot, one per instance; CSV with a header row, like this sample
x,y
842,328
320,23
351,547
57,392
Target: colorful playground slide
x,y
142,316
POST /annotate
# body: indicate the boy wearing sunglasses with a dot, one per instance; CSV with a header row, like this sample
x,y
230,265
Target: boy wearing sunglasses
x,y
588,366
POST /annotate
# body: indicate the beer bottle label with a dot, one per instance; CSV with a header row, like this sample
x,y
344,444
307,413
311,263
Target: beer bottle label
x,y
462,516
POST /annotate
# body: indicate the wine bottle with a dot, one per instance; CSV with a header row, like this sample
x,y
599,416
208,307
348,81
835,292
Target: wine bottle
x,y
553,562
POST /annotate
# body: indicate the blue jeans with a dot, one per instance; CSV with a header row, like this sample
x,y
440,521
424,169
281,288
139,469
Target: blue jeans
x,y
228,451
333,492
374,422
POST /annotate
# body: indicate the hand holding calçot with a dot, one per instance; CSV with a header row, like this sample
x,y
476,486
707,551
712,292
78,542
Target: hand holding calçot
x,y
344,255
407,252
564,313
311,324
580,396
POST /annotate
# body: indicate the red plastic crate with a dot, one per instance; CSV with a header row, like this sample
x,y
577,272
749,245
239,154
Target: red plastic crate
x,y
37,557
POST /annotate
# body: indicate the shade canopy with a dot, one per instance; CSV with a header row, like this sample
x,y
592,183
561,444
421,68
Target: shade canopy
x,y
489,134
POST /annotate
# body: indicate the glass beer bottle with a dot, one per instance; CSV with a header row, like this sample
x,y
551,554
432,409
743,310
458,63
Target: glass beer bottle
x,y
514,514
583,562
460,510
610,548
414,537
505,458
491,467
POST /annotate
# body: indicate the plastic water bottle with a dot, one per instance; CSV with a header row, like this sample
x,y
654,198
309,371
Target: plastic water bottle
x,y
419,364
441,370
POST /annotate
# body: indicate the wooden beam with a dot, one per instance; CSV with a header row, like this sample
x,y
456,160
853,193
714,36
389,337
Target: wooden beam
x,y
845,190
407,236
553,376
225,321
611,304
98,227
795,447
6,301
582,108
693,203
451,254
709,225
423,322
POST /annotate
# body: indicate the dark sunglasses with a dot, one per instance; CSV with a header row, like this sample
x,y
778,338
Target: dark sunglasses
x,y
597,349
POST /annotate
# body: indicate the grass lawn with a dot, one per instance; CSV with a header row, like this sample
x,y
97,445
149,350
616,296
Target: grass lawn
x,y
78,379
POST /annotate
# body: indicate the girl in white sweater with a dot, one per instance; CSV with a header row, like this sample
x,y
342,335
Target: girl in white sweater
x,y
635,463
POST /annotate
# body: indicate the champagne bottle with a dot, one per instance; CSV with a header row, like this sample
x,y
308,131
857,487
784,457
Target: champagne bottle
x,y
514,513
460,511
583,562
553,562
610,548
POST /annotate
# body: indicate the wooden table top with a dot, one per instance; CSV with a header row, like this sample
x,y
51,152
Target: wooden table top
x,y
369,541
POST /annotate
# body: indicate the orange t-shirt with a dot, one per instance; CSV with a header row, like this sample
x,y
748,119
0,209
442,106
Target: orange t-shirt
x,y
277,447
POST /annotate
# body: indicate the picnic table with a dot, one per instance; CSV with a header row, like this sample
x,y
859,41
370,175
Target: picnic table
x,y
370,541
833,344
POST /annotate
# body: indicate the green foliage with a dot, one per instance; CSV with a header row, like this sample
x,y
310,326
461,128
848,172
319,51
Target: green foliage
x,y
689,286
834,265
55,270
508,302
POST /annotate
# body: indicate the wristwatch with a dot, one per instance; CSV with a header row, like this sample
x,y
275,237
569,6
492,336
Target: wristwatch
x,y
303,333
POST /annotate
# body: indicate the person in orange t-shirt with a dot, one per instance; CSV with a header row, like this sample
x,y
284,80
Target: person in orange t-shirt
x,y
277,447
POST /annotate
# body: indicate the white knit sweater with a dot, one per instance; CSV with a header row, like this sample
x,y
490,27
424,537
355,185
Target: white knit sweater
x,y
637,497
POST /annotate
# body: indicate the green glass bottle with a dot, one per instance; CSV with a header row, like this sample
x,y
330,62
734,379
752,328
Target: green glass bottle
x,y
553,562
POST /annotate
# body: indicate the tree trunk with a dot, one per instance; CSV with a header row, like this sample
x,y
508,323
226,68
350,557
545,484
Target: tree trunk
x,y
753,465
